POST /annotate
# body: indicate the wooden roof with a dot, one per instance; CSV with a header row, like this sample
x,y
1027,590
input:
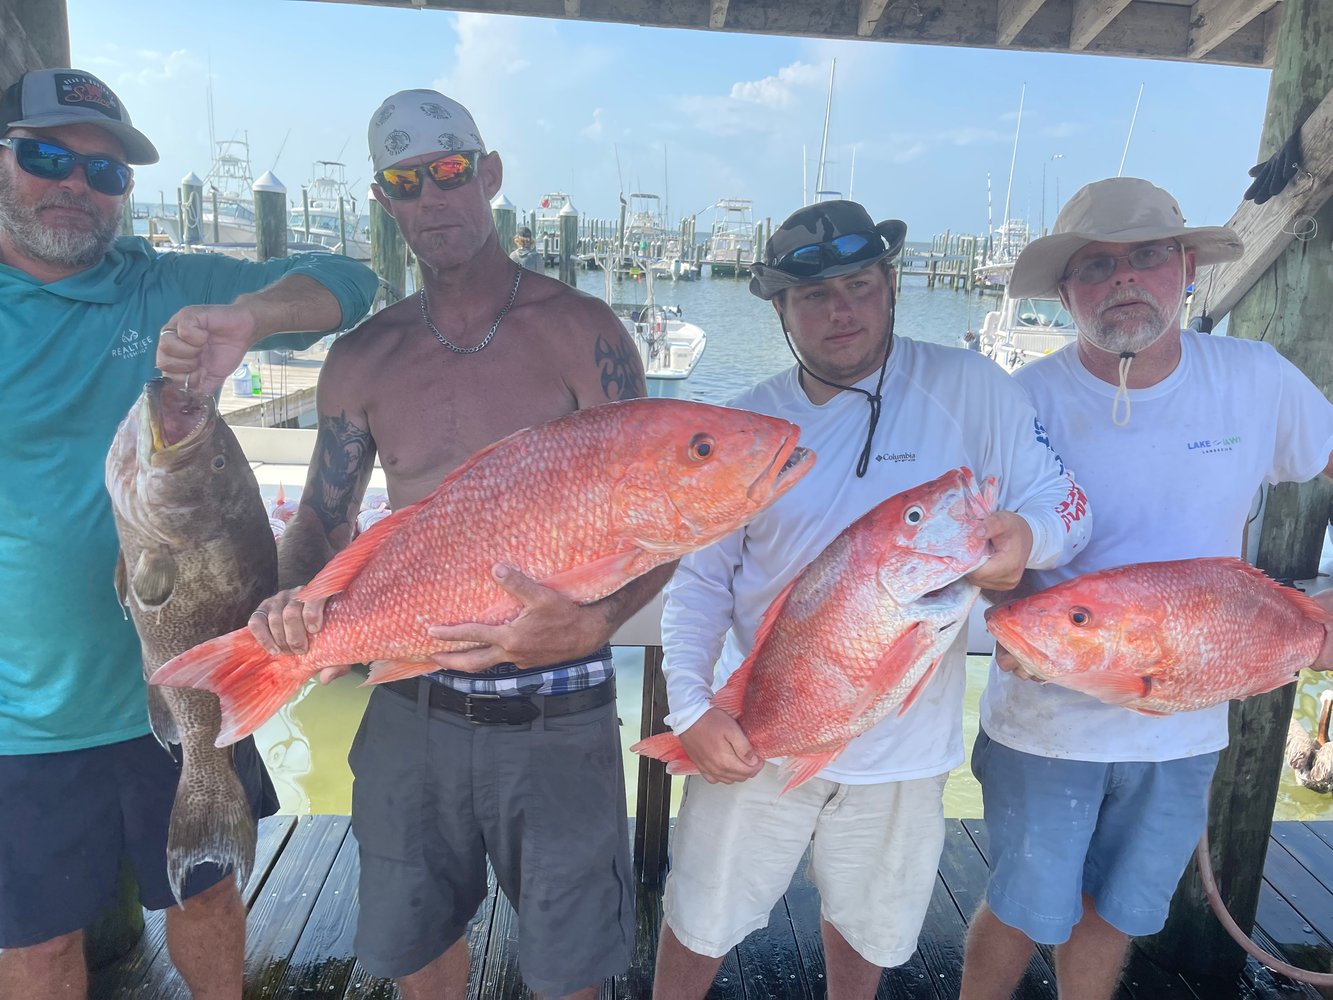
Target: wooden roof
x,y
1236,32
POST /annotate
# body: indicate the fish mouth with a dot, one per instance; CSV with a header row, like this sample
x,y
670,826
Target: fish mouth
x,y
786,469
1011,639
175,419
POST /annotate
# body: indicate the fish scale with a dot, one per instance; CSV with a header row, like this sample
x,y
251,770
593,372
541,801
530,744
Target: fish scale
x,y
584,504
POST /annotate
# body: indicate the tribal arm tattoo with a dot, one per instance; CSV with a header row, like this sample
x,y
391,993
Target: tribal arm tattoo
x,y
621,373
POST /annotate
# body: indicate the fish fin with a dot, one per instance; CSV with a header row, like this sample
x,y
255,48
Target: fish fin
x,y
154,577
344,567
920,685
905,649
397,670
251,683
667,747
1114,689
802,769
732,694
210,821
590,580
121,581
161,720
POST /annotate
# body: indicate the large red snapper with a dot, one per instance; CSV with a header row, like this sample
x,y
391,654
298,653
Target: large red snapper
x,y
1164,637
584,504
858,632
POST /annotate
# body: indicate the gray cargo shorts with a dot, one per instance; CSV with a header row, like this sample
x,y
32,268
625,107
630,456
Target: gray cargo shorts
x,y
434,795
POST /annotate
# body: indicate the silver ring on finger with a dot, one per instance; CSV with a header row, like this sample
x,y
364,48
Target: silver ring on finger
x,y
259,611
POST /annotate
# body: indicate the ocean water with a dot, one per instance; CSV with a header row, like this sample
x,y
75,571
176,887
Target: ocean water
x,y
305,745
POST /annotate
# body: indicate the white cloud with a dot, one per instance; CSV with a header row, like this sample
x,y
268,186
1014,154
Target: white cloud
x,y
777,91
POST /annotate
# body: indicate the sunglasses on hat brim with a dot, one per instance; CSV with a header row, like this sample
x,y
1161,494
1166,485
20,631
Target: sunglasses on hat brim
x,y
105,175
448,172
814,258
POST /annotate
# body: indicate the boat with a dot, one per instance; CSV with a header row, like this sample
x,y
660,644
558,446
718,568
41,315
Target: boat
x,y
332,213
1025,328
731,243
546,226
669,347
646,236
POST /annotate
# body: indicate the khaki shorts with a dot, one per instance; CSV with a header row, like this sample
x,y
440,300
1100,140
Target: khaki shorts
x,y
876,849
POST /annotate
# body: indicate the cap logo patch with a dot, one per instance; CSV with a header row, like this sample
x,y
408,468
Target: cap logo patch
x,y
396,141
436,110
74,90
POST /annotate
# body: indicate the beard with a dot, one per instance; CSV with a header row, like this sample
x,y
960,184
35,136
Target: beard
x,y
1127,334
64,247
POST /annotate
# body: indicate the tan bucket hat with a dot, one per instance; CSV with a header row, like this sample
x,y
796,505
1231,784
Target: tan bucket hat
x,y
1115,210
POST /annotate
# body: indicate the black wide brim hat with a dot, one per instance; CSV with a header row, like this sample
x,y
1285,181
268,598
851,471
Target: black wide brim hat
x,y
819,223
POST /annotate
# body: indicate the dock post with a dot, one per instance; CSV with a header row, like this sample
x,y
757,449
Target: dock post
x,y
217,223
192,208
127,218
506,217
305,210
569,238
388,252
270,217
1282,308
342,226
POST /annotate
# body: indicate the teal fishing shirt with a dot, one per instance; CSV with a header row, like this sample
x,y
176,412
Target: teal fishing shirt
x,y
74,355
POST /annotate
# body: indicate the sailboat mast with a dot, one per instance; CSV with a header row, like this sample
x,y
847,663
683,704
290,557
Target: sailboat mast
x,y
823,145
1132,120
1013,159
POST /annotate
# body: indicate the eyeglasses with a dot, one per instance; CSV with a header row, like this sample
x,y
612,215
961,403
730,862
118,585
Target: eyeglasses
x,y
54,163
809,260
448,172
1094,270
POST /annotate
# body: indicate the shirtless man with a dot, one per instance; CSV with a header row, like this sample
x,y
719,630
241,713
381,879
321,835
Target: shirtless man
x,y
486,348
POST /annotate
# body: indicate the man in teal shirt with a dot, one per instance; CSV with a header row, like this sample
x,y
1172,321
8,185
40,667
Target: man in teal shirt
x,y
87,318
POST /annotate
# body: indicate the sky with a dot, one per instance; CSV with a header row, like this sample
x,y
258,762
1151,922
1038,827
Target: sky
x,y
919,133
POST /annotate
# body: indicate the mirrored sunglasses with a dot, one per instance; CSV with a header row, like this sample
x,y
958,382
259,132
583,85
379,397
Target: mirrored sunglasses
x,y
448,172
1094,270
809,260
54,163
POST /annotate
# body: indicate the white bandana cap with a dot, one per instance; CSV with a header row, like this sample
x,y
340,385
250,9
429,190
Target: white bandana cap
x,y
412,122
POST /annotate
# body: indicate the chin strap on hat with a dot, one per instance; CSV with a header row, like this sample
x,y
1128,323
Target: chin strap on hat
x,y
1122,390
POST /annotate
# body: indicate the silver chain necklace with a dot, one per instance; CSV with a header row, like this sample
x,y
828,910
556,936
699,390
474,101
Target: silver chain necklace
x,y
425,315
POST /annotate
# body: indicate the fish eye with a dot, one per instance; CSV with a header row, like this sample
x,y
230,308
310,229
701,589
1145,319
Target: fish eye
x,y
1080,616
701,447
219,462
914,514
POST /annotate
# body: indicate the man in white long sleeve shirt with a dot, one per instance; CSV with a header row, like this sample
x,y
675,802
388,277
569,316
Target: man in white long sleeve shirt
x,y
883,414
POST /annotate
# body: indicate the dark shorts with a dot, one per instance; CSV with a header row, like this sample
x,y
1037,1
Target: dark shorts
x,y
1120,832
434,795
68,818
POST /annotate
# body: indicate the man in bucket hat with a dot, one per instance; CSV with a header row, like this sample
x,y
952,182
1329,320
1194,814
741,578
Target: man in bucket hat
x,y
1073,864
883,413
89,316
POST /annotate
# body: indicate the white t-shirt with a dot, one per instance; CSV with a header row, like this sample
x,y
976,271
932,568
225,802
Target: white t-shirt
x,y
943,407
1176,483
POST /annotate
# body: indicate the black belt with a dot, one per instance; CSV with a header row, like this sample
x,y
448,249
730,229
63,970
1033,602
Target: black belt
x,y
506,710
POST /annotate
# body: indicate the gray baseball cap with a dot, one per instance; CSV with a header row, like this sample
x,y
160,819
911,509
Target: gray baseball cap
x,y
1114,210
816,227
49,98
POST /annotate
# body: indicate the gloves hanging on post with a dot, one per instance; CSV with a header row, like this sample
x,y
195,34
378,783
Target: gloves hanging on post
x,y
1271,176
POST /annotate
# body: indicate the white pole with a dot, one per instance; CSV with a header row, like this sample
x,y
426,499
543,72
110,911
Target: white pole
x,y
1132,120
823,145
1012,161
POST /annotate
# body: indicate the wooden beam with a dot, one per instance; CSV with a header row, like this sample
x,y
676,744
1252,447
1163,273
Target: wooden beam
x,y
717,14
33,34
1214,21
871,11
1266,229
1011,16
572,8
1090,17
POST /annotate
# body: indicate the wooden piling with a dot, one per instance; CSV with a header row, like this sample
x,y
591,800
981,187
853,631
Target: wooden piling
x,y
506,218
342,225
1288,309
569,238
388,252
217,223
192,208
270,217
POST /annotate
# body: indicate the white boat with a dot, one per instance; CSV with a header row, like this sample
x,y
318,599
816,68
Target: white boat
x,y
731,244
1024,329
333,213
668,346
546,226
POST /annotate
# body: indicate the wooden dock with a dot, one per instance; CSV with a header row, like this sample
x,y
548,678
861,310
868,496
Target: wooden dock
x,y
302,903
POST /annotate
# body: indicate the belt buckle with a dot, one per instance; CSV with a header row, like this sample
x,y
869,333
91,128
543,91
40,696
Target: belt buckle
x,y
469,700
526,711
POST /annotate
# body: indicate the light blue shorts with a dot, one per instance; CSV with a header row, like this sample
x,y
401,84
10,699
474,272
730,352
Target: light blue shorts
x,y
1122,833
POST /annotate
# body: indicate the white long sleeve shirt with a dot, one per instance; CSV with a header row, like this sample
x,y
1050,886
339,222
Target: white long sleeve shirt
x,y
942,408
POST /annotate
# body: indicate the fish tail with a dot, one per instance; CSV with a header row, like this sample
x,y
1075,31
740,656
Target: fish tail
x,y
210,821
250,682
667,747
